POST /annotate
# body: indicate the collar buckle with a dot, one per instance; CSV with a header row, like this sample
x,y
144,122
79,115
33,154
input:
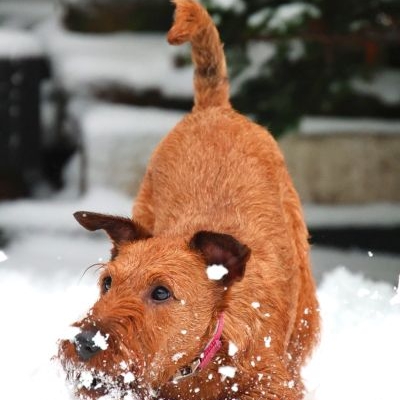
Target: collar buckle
x,y
206,356
187,371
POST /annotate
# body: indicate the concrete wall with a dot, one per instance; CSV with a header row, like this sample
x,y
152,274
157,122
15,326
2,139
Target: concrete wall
x,y
344,168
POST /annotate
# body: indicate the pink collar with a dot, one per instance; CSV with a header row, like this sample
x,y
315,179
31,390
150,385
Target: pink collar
x,y
206,356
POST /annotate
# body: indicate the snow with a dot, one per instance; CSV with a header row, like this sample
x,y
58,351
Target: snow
x,y
86,379
128,377
378,214
237,6
384,84
227,371
292,12
296,50
123,365
3,256
25,13
43,283
382,266
43,288
177,356
69,333
258,53
100,340
118,141
102,119
283,16
55,215
34,313
18,44
311,125
216,272
259,17
395,300
359,353
267,341
82,63
232,349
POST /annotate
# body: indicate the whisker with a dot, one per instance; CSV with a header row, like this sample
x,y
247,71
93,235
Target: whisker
x,y
99,265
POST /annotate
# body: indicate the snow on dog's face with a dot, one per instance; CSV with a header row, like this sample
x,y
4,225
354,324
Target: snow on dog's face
x,y
156,311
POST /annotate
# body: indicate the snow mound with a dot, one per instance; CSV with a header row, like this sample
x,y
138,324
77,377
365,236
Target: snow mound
x,y
18,44
358,356
44,288
33,318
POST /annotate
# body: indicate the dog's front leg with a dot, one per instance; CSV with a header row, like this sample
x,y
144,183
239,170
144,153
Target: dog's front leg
x,y
267,394
273,383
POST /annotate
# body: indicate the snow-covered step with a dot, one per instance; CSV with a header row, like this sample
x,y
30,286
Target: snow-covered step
x,y
117,142
25,13
370,227
86,63
19,44
335,125
360,215
54,215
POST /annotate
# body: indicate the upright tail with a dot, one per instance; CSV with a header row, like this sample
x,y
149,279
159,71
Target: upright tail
x,y
193,24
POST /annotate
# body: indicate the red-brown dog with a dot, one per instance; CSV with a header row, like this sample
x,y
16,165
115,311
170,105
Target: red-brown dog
x,y
208,294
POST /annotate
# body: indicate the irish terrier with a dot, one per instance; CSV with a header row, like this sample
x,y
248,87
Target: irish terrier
x,y
208,293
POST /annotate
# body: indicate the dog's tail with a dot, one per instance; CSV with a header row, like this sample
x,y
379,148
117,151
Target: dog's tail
x,y
193,24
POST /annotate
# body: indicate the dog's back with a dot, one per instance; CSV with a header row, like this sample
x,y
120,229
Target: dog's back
x,y
220,172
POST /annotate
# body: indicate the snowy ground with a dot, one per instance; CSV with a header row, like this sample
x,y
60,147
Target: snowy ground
x,y
42,290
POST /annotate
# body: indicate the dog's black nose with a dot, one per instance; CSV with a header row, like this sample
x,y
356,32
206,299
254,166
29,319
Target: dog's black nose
x,y
85,346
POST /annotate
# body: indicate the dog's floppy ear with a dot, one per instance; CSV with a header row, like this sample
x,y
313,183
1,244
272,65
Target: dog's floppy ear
x,y
222,249
119,229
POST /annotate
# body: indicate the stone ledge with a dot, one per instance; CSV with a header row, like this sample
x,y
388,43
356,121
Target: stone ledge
x,y
344,168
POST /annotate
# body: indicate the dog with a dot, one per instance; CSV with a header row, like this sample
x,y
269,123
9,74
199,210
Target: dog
x,y
208,293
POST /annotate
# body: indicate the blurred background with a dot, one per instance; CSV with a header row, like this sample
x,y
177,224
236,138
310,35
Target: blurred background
x,y
89,87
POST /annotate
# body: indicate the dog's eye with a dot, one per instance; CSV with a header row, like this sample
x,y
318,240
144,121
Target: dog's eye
x,y
160,293
106,285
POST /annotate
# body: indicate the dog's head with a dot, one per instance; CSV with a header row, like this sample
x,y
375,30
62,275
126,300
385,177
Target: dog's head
x,y
157,308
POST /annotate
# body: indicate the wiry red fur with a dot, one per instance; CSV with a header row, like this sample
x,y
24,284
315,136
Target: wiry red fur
x,y
216,171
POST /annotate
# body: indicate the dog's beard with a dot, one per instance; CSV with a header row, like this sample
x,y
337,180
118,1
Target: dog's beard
x,y
119,383
114,373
